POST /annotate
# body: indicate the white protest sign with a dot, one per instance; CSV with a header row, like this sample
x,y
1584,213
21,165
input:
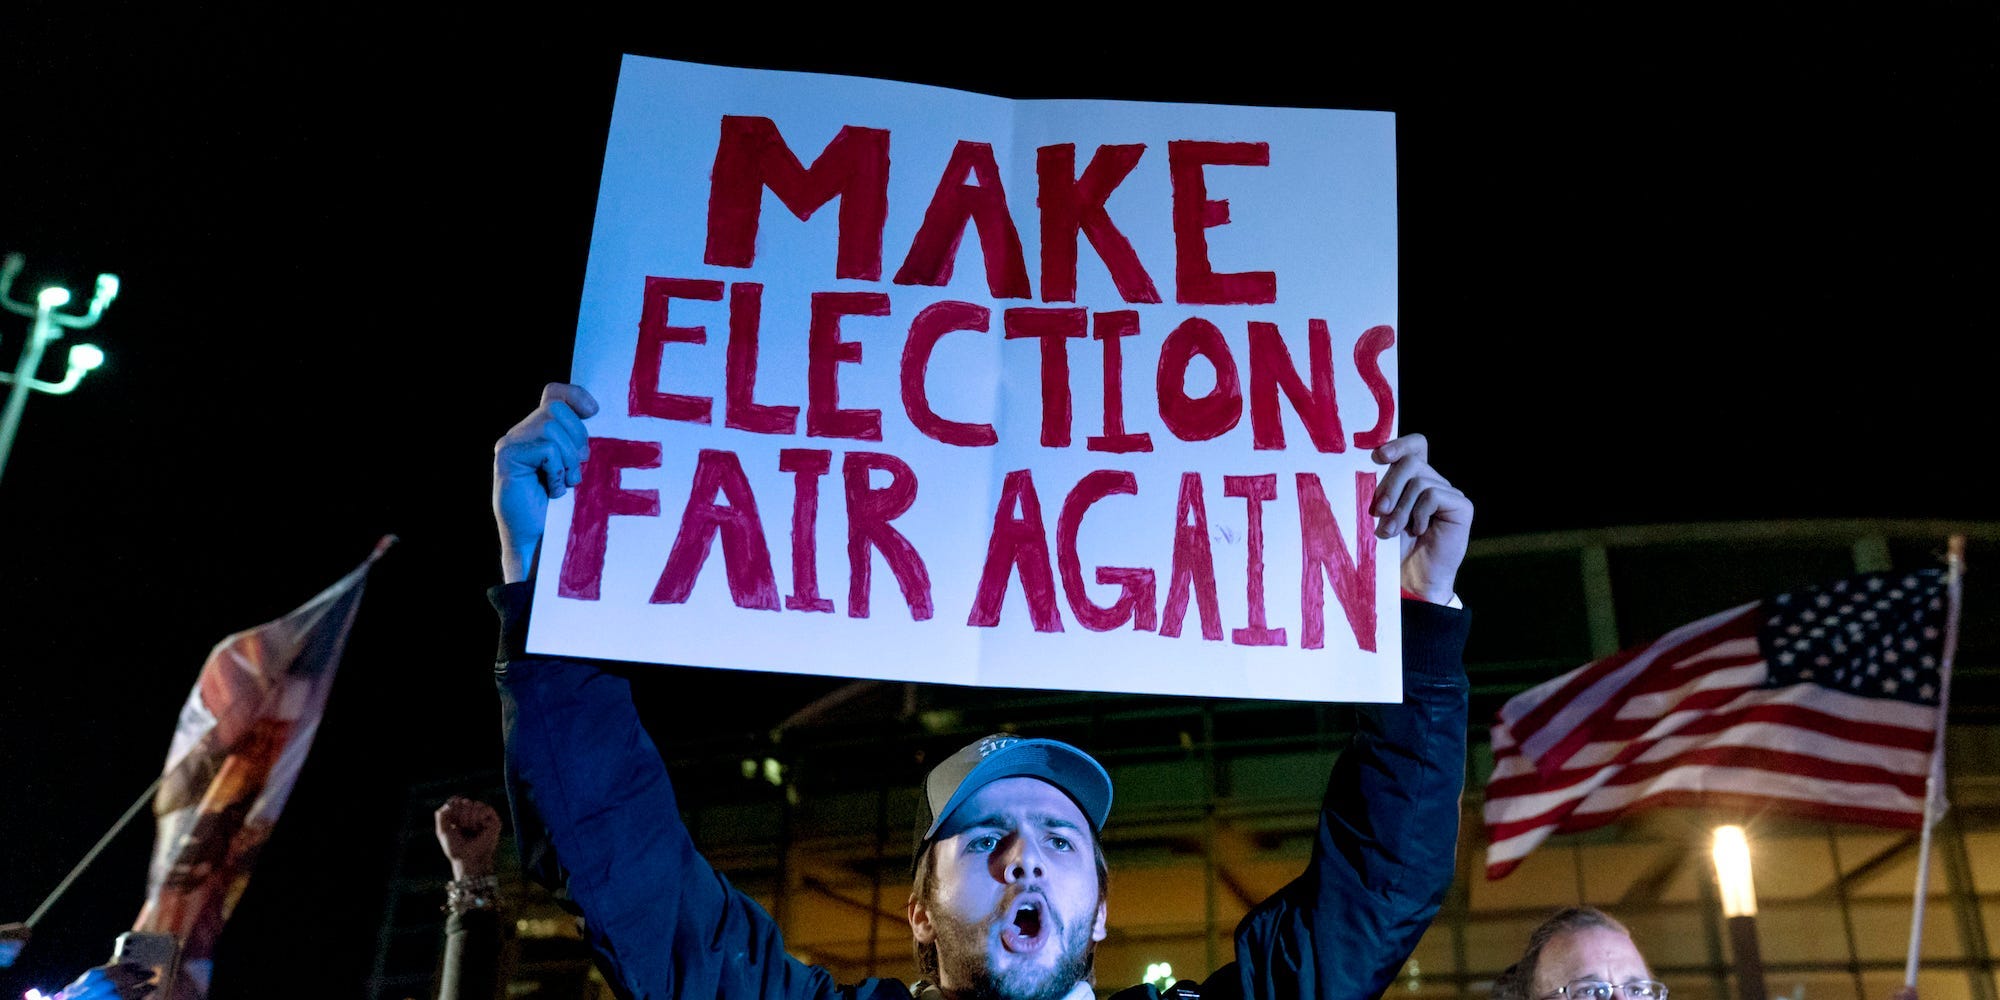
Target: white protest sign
x,y
908,383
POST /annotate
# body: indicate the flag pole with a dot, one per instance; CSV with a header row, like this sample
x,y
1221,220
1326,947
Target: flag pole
x,y
1934,783
130,811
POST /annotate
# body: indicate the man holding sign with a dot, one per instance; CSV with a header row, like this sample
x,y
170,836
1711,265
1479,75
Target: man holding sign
x,y
1009,894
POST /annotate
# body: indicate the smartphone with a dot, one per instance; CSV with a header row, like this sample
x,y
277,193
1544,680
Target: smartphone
x,y
159,952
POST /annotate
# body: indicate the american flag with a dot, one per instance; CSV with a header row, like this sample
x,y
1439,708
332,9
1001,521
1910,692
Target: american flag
x,y
1819,702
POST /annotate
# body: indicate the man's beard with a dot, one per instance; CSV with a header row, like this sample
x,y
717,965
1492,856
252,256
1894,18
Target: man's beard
x,y
962,958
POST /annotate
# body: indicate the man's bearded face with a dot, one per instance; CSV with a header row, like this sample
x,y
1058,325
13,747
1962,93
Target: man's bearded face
x,y
1014,906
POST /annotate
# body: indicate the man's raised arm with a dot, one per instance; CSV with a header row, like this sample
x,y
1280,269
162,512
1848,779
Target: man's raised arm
x,y
593,806
1385,851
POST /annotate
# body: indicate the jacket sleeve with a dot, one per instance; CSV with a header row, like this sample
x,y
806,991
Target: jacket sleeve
x,y
599,823
471,956
1388,836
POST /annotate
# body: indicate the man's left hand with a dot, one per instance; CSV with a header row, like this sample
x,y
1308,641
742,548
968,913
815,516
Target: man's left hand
x,y
1430,515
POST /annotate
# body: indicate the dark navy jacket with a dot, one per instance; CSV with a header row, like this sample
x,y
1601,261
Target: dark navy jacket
x,y
588,784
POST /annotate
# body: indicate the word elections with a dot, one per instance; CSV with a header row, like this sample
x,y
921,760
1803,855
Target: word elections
x,y
751,156
722,506
1189,418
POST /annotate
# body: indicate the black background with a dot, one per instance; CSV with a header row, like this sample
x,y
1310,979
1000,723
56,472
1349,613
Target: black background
x,y
1657,267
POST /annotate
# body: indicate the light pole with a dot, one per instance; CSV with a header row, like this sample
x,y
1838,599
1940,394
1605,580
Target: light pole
x,y
48,326
1739,905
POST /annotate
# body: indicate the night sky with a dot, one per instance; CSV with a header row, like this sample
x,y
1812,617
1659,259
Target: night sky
x,y
1653,270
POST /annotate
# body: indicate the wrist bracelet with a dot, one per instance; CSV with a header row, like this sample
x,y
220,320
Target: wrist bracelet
x,y
480,893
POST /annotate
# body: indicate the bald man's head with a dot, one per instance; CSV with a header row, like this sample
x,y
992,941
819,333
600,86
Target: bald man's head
x,y
1577,943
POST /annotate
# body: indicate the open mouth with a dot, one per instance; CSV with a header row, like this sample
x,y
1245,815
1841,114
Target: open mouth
x,y
1024,934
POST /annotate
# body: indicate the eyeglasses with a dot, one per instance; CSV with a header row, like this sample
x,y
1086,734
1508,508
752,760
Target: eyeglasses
x,y
1598,989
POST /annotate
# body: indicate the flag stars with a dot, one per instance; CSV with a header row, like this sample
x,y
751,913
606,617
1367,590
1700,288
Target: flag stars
x,y
1928,692
1868,636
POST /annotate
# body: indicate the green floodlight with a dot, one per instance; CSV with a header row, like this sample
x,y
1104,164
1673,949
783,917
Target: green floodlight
x,y
48,326
86,357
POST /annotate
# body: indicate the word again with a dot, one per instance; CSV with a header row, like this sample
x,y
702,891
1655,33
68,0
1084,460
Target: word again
x,y
723,508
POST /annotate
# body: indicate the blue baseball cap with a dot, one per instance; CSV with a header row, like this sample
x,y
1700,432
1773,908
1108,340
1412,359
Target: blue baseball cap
x,y
1003,755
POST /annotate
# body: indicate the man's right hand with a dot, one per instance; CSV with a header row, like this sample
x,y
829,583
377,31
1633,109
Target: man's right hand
x,y
536,461
469,832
